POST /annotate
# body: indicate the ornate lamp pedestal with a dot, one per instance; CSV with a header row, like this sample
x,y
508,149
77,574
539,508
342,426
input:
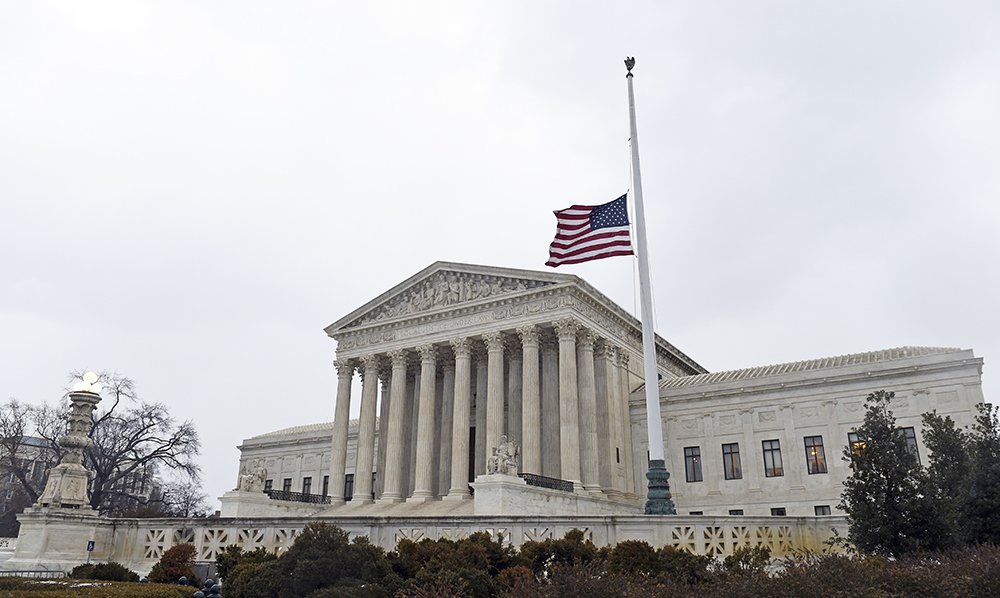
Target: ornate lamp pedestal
x,y
67,484
658,501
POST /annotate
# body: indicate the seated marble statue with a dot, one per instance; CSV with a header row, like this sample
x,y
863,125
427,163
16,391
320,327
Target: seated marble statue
x,y
504,458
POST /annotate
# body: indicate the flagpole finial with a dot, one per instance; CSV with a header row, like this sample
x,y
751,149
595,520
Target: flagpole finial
x,y
629,63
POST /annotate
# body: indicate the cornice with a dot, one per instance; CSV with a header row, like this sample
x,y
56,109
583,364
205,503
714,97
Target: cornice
x,y
759,386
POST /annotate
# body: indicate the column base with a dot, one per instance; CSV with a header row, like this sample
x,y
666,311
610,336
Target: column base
x,y
458,496
658,500
390,500
421,498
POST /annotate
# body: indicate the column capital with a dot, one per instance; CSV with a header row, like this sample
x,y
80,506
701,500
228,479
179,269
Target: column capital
x,y
528,334
398,357
586,338
428,354
602,348
494,341
566,328
461,346
369,365
623,358
345,368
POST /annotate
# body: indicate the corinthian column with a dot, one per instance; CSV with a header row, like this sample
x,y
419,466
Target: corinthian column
x,y
445,429
366,431
341,424
550,407
531,406
494,391
393,487
423,487
588,411
482,451
569,420
460,419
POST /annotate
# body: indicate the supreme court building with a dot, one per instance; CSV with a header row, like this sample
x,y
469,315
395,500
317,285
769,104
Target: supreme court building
x,y
458,356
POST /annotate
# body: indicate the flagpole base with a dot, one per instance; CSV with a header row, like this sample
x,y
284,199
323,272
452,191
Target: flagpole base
x,y
658,500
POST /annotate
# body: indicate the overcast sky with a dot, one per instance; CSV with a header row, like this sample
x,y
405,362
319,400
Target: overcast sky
x,y
191,191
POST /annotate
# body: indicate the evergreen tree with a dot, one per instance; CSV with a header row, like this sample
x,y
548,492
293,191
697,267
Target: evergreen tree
x,y
982,507
950,469
891,502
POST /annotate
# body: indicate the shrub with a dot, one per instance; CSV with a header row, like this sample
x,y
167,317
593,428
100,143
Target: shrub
x,y
110,571
176,562
747,560
232,555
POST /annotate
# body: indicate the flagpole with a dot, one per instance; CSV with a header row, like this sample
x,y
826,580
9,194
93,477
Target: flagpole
x,y
658,500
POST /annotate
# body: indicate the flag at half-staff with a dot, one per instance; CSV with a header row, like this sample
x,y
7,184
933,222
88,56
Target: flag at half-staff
x,y
585,233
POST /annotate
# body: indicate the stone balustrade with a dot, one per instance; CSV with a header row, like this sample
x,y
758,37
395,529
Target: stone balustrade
x,y
59,540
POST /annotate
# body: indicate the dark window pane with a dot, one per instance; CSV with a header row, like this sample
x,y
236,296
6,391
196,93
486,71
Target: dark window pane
x,y
822,509
910,437
815,455
731,465
736,512
778,511
692,463
772,459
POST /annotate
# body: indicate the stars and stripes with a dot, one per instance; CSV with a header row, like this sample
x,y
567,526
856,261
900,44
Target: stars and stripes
x,y
585,233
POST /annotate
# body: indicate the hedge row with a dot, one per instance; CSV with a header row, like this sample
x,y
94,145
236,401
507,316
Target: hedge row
x,y
58,588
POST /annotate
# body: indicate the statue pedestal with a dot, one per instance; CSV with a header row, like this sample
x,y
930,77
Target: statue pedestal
x,y
501,494
66,488
257,504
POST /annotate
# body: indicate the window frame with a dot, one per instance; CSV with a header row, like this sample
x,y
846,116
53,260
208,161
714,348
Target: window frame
x,y
732,463
772,453
818,508
307,483
692,464
775,513
815,459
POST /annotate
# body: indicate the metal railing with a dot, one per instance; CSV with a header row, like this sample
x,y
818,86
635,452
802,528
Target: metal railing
x,y
533,479
317,499
36,573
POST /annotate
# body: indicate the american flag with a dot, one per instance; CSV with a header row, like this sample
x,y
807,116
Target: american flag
x,y
585,233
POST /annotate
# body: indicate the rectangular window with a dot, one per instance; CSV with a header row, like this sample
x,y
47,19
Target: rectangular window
x,y
349,486
373,485
772,459
731,461
736,512
815,455
910,437
696,512
307,485
286,484
857,445
822,509
268,484
326,485
692,463
778,511
618,456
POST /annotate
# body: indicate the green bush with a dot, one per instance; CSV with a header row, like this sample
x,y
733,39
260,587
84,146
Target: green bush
x,y
322,557
36,588
231,556
176,562
110,571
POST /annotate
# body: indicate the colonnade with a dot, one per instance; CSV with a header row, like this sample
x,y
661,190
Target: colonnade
x,y
556,389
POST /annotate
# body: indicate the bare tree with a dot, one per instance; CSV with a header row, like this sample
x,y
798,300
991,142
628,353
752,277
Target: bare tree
x,y
133,441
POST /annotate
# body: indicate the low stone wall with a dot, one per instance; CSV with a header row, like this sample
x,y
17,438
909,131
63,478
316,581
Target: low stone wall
x,y
58,540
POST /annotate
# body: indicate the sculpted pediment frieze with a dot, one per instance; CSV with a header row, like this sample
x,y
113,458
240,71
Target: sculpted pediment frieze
x,y
444,289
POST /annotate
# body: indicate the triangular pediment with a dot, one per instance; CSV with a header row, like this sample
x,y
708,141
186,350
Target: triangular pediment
x,y
443,286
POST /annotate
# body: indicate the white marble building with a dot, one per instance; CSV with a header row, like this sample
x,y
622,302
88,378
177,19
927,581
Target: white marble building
x,y
458,355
